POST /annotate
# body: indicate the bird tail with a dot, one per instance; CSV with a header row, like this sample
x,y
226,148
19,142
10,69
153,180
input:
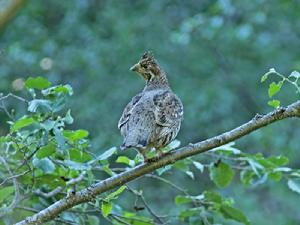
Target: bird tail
x,y
138,141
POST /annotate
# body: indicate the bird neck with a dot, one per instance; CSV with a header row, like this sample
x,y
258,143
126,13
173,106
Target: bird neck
x,y
159,81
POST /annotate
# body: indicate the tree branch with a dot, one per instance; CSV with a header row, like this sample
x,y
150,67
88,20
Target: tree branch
x,y
91,192
16,198
9,11
60,188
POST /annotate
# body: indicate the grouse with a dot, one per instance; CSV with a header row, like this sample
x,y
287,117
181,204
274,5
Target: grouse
x,y
153,117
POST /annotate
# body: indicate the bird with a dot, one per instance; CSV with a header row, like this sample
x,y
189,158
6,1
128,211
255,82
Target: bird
x,y
152,118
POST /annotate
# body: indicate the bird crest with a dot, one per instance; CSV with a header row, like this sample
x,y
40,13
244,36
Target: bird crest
x,y
148,55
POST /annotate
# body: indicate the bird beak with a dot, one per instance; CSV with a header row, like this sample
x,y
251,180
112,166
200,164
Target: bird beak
x,y
135,68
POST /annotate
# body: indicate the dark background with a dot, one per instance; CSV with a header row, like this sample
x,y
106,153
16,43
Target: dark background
x,y
214,53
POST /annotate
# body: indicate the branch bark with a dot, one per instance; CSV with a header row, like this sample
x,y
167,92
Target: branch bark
x,y
91,192
9,11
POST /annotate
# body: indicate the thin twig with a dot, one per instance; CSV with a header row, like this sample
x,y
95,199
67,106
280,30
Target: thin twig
x,y
132,218
119,219
14,176
60,188
3,106
15,200
13,96
294,83
140,195
151,211
167,182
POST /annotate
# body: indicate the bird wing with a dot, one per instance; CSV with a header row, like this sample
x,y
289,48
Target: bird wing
x,y
128,110
168,109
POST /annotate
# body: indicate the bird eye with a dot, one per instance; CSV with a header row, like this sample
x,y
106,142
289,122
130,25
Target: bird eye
x,y
145,66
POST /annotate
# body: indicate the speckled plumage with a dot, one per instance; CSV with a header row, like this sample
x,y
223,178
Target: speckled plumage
x,y
152,118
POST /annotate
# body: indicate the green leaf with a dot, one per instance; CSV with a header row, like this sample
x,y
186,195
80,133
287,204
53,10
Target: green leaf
x,y
93,220
23,122
40,105
45,164
80,134
48,124
227,149
279,160
234,214
5,192
68,118
180,199
188,213
37,83
275,176
108,170
296,174
190,174
115,194
75,135
274,88
58,90
246,177
174,144
106,208
199,166
211,196
59,103
61,142
77,165
125,160
50,180
274,103
45,151
66,89
295,74
107,153
294,186
282,169
264,77
133,219
166,168
182,165
221,174
79,156
255,166
3,139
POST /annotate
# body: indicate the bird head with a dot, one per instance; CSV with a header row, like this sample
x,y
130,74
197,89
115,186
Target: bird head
x,y
147,67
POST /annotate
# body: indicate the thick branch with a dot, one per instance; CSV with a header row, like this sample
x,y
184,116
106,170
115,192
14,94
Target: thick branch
x,y
91,192
9,11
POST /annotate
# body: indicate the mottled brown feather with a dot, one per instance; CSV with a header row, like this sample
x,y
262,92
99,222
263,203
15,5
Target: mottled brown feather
x,y
153,117
128,109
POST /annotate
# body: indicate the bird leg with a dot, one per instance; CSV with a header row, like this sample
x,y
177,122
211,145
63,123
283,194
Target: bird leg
x,y
147,159
143,152
160,155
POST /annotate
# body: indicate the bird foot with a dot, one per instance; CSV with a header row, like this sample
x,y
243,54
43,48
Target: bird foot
x,y
156,158
151,160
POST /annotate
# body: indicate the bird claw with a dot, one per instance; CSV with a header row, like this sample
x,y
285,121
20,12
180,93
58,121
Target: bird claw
x,y
156,158
150,160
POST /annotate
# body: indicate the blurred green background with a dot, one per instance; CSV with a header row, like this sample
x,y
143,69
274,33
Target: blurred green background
x,y
214,53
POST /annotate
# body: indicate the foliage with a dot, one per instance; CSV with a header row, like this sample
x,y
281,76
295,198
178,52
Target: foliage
x,y
42,158
274,88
